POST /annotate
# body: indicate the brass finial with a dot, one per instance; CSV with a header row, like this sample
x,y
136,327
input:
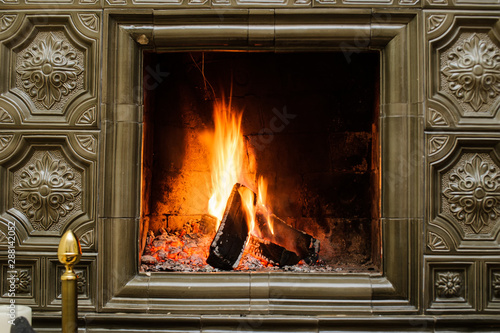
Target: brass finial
x,y
69,253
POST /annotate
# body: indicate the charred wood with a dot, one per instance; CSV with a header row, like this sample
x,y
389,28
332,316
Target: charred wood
x,y
280,233
229,241
273,253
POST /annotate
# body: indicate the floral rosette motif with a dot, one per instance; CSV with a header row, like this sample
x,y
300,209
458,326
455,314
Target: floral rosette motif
x,y
47,191
473,193
473,72
496,284
49,71
449,284
22,282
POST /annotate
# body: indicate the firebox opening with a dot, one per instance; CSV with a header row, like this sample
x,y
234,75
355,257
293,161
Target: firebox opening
x,y
309,127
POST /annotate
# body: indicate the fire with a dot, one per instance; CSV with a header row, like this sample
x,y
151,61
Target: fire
x,y
253,207
227,165
261,202
248,203
227,157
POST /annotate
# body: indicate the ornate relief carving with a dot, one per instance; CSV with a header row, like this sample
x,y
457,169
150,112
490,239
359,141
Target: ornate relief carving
x,y
50,69
46,190
434,22
87,239
6,21
5,117
448,284
436,118
87,142
436,242
436,143
472,190
5,141
3,237
22,281
91,21
471,72
81,281
495,284
88,117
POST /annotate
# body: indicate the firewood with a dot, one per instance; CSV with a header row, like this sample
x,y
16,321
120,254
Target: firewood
x,y
274,254
230,239
278,232
303,245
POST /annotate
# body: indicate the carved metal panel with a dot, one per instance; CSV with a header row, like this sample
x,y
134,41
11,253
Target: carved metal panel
x,y
5,117
51,71
50,186
464,186
461,4
24,278
451,285
263,3
491,286
87,239
6,21
470,72
471,193
5,140
437,243
86,283
82,4
47,190
463,64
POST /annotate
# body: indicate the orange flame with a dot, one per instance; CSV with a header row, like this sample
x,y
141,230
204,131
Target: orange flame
x,y
247,199
227,157
228,153
251,207
261,202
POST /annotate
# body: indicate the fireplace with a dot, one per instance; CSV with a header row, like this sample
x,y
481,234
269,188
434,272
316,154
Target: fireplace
x,y
237,41
368,162
309,132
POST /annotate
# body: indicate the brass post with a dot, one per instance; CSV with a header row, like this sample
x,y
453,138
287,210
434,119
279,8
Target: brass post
x,y
69,254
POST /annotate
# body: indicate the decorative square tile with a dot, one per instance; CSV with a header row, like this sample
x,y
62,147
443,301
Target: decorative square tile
x,y
491,286
451,285
86,281
21,281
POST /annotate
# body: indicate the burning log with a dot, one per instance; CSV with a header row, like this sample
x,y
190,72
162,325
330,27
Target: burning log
x,y
229,241
272,253
273,239
273,229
